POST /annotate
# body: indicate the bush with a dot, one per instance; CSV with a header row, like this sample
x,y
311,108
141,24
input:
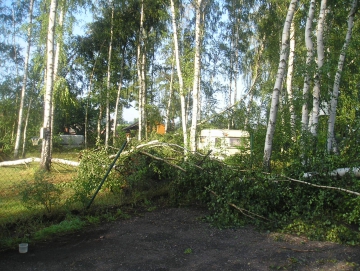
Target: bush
x,y
40,192
236,197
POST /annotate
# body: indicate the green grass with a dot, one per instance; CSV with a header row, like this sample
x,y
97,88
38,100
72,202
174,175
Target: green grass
x,y
70,224
32,223
11,206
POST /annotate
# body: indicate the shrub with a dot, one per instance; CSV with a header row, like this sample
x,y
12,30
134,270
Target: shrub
x,y
40,192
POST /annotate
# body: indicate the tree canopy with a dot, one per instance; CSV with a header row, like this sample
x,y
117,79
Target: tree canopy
x,y
237,44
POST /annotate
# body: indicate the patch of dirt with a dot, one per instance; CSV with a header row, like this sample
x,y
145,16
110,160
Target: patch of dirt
x,y
178,239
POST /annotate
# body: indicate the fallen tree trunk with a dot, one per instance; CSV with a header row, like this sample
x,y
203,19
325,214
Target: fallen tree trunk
x,y
65,162
19,162
35,159
340,172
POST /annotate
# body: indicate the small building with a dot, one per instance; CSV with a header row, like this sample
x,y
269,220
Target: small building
x,y
223,142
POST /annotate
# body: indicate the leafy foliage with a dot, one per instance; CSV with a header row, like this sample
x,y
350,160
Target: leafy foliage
x,y
41,192
236,197
91,172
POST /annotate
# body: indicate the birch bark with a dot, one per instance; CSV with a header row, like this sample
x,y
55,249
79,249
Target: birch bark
x,y
331,144
309,58
116,113
289,77
107,130
171,90
59,44
179,73
197,67
45,151
140,66
320,62
284,54
98,129
25,128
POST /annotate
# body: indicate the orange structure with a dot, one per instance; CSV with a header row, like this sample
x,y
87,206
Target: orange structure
x,y
160,128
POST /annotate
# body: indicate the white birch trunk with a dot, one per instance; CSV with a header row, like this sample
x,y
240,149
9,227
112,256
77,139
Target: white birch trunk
x,y
284,54
143,90
309,58
290,76
107,131
25,128
331,144
171,90
197,60
179,73
56,66
116,113
236,66
23,89
320,62
46,152
98,138
140,74
140,125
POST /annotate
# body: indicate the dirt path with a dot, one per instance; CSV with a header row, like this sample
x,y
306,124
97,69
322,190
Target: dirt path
x,y
177,239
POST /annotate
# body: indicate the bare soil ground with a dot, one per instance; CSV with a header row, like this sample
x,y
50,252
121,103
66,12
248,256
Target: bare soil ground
x,y
178,239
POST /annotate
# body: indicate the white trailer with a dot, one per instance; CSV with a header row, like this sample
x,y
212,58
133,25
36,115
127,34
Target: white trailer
x,y
72,141
223,142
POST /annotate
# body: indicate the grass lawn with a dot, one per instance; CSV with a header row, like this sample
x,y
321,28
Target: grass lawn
x,y
13,178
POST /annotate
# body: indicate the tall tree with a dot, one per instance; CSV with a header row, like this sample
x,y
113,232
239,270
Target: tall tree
x,y
116,112
197,68
107,132
320,62
141,73
309,58
59,46
284,54
179,73
46,151
289,77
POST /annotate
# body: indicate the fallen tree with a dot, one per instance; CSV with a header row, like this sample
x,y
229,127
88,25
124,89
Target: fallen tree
x,y
340,172
35,159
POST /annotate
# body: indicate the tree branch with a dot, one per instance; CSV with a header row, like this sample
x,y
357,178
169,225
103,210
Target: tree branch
x,y
241,210
322,186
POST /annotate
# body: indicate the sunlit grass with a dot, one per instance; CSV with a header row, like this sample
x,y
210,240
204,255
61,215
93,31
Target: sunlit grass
x,y
33,220
13,178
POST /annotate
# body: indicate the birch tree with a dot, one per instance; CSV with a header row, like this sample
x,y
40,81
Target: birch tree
x,y
320,62
141,73
59,47
284,54
331,143
309,57
107,132
116,113
46,151
23,89
171,92
179,73
289,76
197,67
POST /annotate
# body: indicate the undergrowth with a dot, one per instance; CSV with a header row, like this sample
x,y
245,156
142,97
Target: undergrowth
x,y
235,194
